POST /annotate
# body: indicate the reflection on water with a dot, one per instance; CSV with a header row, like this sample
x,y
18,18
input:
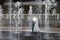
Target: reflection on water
x,y
4,35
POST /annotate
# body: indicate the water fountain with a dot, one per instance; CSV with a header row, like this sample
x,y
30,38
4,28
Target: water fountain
x,y
1,10
18,17
17,4
40,11
10,11
36,28
54,11
47,8
48,5
54,4
30,16
57,16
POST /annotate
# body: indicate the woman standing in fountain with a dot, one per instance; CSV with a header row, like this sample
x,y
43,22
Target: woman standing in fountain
x,y
35,27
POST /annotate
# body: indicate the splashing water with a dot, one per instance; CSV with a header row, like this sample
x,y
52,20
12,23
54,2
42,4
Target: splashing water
x,y
0,19
10,18
30,16
18,13
47,7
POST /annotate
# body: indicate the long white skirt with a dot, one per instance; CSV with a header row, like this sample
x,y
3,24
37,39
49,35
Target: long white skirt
x,y
36,27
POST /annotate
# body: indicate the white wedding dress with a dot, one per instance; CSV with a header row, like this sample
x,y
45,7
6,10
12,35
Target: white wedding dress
x,y
36,27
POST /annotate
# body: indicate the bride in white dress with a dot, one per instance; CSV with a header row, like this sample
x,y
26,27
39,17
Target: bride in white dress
x,y
36,27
